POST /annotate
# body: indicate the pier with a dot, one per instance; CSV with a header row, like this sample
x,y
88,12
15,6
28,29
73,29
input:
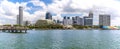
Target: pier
x,y
14,29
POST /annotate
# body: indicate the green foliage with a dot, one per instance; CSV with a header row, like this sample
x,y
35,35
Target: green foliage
x,y
85,27
50,26
78,26
7,25
16,25
58,26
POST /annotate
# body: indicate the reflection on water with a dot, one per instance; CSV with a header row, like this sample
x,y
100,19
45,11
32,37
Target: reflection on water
x,y
61,39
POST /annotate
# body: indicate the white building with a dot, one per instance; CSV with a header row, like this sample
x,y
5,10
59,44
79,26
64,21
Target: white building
x,y
67,21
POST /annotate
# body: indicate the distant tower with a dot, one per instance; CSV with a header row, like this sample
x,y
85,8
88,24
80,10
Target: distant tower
x,y
20,16
48,15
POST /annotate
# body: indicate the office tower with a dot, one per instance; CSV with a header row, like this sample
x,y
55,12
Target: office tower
x,y
67,21
77,20
20,16
48,15
104,20
74,20
88,21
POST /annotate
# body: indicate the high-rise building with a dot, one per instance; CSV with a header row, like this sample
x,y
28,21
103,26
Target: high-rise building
x,y
77,20
20,16
74,21
104,20
88,21
48,15
67,21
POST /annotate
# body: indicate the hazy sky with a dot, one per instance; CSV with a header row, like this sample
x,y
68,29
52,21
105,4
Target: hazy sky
x,y
36,9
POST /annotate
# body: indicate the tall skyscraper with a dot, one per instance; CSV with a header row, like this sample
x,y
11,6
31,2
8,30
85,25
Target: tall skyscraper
x,y
20,16
48,15
104,20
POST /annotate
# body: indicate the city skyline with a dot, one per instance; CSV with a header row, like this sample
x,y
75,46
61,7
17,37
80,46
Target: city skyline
x,y
34,10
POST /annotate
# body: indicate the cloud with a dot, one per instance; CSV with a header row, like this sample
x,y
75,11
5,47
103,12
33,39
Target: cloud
x,y
10,10
7,12
39,3
111,7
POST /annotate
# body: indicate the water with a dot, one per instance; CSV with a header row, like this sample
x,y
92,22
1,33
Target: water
x,y
61,39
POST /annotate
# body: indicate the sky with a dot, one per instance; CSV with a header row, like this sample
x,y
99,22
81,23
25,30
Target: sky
x,y
36,9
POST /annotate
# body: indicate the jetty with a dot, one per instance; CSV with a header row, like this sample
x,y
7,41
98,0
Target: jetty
x,y
14,29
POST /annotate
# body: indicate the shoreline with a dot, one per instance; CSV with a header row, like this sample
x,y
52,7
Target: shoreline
x,y
74,29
